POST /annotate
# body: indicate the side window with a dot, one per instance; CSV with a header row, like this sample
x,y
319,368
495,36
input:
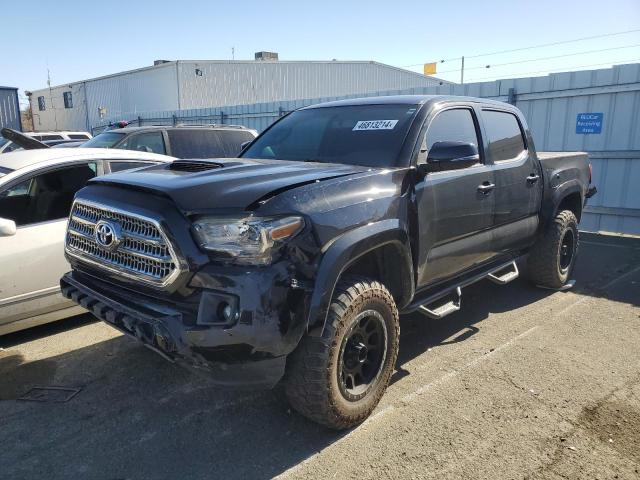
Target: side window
x,y
78,136
44,197
151,142
68,99
231,141
119,166
455,125
202,143
506,141
50,137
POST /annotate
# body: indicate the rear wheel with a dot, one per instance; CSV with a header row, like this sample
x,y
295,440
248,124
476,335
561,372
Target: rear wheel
x,y
552,258
337,379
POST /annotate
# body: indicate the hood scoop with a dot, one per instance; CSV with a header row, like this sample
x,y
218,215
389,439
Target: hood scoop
x,y
194,165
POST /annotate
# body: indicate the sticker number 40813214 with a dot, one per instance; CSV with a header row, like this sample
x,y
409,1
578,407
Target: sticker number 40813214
x,y
375,125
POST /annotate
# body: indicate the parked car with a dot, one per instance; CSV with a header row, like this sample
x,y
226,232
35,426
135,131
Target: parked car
x,y
294,261
207,141
36,191
55,144
7,146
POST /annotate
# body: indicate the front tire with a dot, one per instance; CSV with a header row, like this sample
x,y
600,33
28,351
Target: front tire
x,y
337,379
552,258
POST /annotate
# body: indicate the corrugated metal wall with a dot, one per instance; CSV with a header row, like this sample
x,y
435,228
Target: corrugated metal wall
x,y
124,96
9,108
177,86
55,116
221,84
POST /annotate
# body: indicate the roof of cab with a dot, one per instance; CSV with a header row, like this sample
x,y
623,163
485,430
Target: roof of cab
x,y
402,100
25,158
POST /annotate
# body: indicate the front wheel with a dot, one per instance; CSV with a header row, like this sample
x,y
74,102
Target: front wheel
x,y
552,258
337,379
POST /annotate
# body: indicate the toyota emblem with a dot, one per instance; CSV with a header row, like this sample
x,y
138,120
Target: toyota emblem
x,y
107,234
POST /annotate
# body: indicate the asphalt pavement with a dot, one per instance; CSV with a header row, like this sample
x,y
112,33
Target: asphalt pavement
x,y
521,383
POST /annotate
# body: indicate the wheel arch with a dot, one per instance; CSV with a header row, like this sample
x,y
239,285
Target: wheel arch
x,y
568,196
378,250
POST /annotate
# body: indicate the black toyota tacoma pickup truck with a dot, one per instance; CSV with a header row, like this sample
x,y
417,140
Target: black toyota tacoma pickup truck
x,y
292,262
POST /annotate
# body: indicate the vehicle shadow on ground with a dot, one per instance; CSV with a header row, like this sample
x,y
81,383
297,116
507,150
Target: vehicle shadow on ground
x,y
139,416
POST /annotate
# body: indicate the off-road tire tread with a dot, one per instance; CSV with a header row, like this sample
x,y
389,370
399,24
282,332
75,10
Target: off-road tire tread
x,y
542,262
308,375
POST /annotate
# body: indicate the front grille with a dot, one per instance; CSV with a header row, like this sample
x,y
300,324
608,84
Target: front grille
x,y
143,252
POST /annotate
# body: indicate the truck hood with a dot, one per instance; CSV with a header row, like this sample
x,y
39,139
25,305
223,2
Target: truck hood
x,y
225,183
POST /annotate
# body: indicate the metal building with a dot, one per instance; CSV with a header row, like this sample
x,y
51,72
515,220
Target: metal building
x,y
10,108
193,84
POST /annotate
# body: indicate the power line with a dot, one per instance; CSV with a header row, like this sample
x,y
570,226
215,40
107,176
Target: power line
x,y
555,56
540,59
502,77
562,42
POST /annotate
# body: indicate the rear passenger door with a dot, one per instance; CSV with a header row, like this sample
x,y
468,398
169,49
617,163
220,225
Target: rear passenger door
x,y
455,216
518,190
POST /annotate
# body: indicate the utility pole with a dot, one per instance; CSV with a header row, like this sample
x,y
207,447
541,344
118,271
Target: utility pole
x,y
233,53
462,72
55,115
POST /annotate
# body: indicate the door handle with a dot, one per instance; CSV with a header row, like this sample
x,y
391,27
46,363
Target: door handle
x,y
486,187
533,178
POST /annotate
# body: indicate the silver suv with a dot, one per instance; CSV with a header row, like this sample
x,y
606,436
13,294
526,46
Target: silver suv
x,y
193,141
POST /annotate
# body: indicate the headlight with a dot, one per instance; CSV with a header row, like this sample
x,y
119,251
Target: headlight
x,y
248,240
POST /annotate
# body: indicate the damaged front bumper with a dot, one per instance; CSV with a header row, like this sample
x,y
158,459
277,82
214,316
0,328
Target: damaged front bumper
x,y
251,351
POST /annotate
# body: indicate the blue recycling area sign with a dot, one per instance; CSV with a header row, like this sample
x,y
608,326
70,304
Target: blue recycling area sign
x,y
587,123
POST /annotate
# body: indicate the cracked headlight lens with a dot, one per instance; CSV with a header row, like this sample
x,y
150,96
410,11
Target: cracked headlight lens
x,y
247,240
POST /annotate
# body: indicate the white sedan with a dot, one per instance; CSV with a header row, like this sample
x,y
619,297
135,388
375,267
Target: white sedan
x,y
36,191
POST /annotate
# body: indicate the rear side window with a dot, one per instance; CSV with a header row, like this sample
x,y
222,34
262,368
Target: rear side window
x,y
49,137
195,144
151,142
231,141
506,141
78,136
124,165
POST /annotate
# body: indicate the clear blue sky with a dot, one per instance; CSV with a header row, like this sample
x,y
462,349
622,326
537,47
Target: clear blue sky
x,y
80,39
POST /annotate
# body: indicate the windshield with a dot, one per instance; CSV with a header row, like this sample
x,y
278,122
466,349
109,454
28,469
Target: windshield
x,y
368,135
104,140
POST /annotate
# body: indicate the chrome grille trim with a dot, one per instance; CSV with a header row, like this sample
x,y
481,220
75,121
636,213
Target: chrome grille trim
x,y
145,253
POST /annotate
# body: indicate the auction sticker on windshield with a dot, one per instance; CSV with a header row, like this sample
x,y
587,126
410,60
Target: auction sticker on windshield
x,y
375,125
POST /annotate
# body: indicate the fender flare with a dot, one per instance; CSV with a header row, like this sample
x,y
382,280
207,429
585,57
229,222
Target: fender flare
x,y
343,252
559,194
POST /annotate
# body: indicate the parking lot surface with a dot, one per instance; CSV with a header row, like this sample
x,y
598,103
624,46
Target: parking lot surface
x,y
521,383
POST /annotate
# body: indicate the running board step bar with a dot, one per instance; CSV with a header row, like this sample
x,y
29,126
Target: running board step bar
x,y
444,309
504,275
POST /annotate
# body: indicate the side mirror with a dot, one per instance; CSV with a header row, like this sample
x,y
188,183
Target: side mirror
x,y
7,227
451,156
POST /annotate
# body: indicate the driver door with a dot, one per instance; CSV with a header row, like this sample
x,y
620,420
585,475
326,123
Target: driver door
x,y
455,207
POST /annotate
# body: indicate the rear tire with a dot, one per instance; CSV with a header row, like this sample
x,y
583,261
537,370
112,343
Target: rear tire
x,y
337,379
552,258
